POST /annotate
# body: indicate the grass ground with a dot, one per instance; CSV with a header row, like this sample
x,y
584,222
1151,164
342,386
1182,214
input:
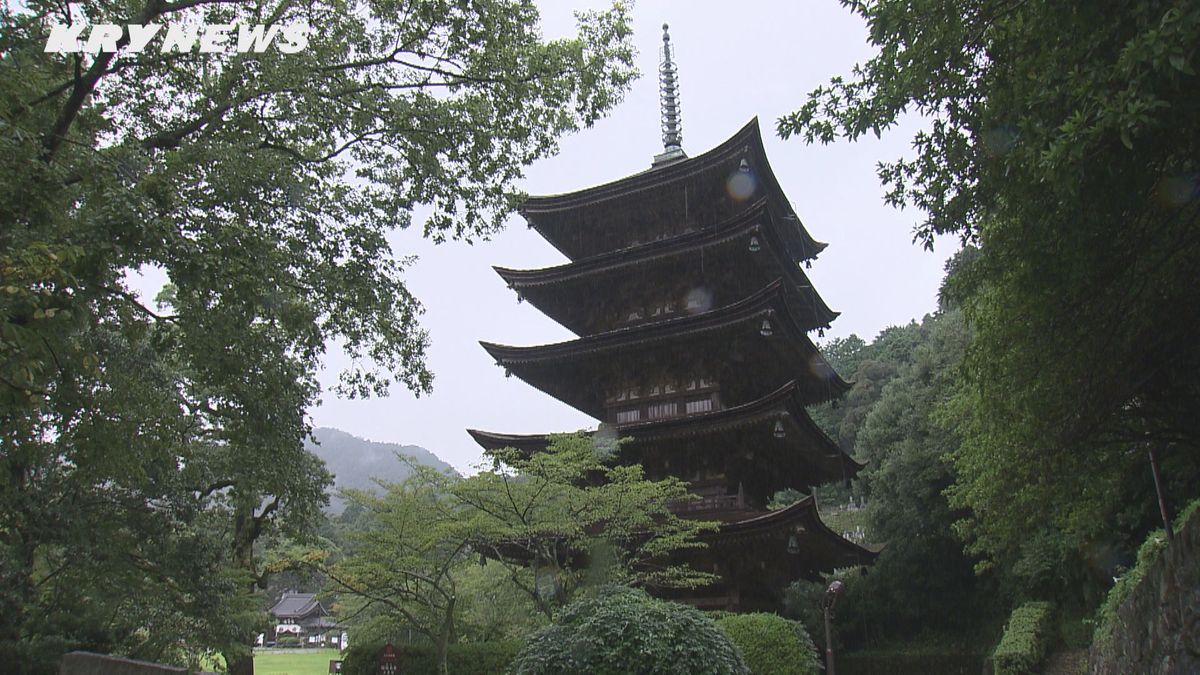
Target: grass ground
x,y
293,661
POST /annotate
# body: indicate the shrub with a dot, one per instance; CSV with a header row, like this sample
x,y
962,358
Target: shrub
x,y
1026,639
473,658
362,658
771,645
621,630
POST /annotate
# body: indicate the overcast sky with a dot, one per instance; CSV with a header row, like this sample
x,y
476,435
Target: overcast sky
x,y
736,61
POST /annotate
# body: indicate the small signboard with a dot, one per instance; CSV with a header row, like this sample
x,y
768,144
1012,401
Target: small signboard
x,y
389,663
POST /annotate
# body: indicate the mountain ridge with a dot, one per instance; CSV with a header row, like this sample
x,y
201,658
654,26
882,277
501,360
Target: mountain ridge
x,y
356,461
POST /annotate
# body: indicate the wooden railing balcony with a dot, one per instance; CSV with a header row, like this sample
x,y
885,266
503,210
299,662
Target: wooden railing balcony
x,y
682,403
710,503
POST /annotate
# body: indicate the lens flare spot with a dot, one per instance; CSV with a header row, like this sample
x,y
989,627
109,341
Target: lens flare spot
x,y
604,442
1179,190
698,300
818,366
1000,140
741,185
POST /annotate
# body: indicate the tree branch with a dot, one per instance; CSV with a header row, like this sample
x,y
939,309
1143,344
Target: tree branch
x,y
85,85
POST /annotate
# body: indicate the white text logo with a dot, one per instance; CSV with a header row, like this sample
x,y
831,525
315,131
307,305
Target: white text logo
x,y
218,38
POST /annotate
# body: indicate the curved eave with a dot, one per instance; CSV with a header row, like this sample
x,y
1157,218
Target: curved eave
x,y
552,368
784,399
538,210
770,299
641,253
806,309
688,425
528,443
802,513
300,613
756,222
669,173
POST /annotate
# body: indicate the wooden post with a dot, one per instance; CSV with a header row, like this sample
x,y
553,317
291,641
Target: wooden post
x,y
828,642
1162,500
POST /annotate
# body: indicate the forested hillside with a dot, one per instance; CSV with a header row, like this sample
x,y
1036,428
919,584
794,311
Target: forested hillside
x,y
356,462
922,580
1062,142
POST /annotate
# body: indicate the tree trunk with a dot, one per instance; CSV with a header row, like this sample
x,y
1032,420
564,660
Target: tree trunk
x,y
245,531
444,638
19,595
240,665
19,589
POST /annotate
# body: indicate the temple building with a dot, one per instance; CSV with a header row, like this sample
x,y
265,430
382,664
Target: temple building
x,y
303,619
686,287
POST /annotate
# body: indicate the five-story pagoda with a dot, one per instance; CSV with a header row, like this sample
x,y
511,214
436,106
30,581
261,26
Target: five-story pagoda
x,y
685,285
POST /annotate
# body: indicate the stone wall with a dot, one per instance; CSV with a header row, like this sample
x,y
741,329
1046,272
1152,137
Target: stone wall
x,y
1157,631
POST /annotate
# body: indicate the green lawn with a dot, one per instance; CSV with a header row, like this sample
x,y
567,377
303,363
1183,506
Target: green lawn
x,y
293,661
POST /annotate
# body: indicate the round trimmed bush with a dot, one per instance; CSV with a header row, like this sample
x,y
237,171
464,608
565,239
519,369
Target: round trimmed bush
x,y
622,630
771,644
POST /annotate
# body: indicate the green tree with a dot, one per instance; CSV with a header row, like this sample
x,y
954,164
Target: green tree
x,y
262,185
569,517
493,608
547,526
1063,138
870,367
922,580
404,570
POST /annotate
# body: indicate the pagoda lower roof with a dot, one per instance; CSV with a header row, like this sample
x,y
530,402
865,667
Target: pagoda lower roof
x,y
612,278
762,553
760,537
558,217
826,548
805,456
751,347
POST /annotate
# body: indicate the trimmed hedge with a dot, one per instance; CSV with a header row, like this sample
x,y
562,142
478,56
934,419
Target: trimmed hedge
x,y
1026,639
771,644
468,658
622,630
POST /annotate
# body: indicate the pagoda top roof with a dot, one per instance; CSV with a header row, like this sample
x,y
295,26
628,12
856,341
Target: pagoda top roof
x,y
747,138
579,223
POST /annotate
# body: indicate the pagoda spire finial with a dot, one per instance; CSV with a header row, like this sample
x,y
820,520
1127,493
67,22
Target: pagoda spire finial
x,y
672,127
